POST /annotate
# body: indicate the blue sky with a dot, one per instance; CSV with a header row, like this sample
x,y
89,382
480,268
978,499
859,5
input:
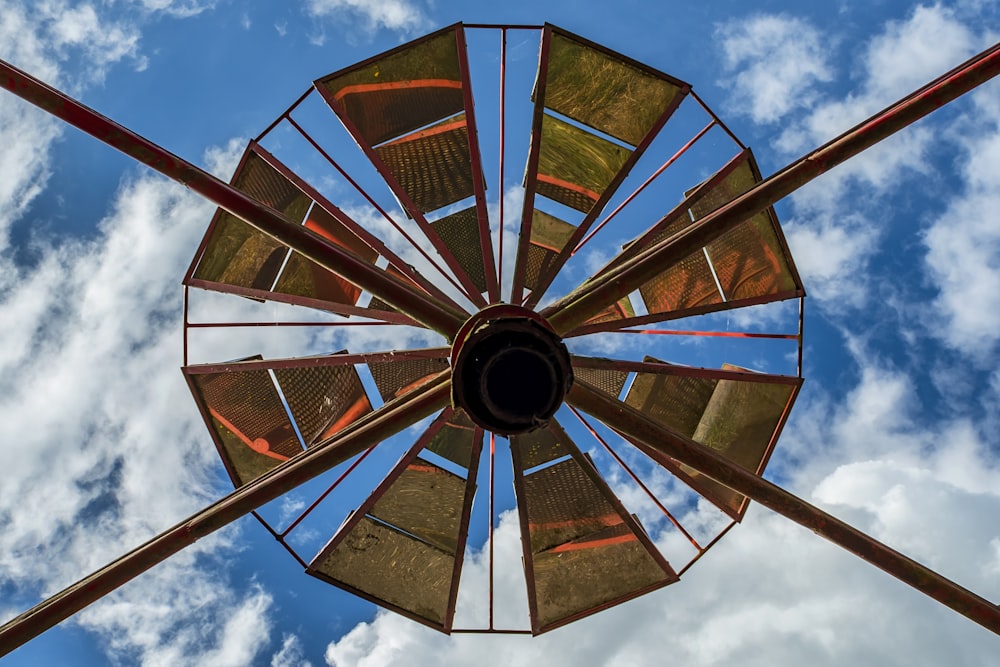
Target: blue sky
x,y
895,429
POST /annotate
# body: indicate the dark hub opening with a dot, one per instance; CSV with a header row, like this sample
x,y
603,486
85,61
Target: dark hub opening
x,y
510,374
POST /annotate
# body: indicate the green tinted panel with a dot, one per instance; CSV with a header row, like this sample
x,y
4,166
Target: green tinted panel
x,y
401,92
604,92
574,166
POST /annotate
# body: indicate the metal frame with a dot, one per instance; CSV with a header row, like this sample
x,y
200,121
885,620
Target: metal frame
x,y
567,316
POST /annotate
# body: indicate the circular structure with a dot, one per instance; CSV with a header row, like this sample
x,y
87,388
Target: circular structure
x,y
510,370
607,141
283,425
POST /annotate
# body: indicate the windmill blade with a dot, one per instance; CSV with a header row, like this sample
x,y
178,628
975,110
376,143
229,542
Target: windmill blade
x,y
403,549
583,551
737,412
749,265
596,111
263,412
236,258
410,110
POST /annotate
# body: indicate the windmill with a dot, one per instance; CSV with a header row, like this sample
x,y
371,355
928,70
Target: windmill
x,y
507,368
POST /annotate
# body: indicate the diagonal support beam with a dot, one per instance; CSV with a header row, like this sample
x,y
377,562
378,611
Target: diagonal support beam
x,y
443,318
359,436
663,442
593,296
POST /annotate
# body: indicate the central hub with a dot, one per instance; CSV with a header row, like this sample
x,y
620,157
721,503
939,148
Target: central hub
x,y
510,371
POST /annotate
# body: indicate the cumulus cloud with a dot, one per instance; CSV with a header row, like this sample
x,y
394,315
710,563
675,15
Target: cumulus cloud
x,y
291,654
775,61
832,256
963,243
112,448
838,223
401,16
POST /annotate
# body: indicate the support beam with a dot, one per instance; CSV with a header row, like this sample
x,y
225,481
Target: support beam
x,y
598,293
359,436
658,441
440,317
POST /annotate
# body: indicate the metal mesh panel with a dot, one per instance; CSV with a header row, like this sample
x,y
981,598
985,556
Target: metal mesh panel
x,y
460,233
432,166
394,378
564,504
323,397
739,422
425,501
738,418
393,568
237,254
674,401
549,235
586,574
303,277
455,440
400,92
604,92
584,552
538,447
538,262
686,284
611,382
616,311
574,166
403,553
267,185
247,415
749,261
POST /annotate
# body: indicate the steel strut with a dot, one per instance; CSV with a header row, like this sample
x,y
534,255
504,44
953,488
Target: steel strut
x,y
658,441
354,439
440,317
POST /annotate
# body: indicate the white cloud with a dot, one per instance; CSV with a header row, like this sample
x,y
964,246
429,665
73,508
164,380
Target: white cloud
x,y
291,653
963,243
832,256
838,220
177,8
399,15
111,449
775,62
